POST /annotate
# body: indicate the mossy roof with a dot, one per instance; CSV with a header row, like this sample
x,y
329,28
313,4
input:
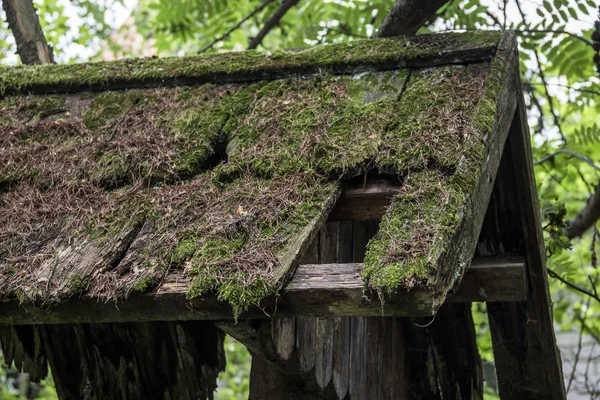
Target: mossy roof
x,y
114,174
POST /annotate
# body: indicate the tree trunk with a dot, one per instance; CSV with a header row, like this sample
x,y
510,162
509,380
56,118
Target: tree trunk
x,y
25,26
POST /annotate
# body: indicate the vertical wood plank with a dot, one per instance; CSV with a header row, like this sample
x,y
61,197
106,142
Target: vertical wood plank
x,y
357,385
283,334
372,374
359,241
341,356
342,325
328,252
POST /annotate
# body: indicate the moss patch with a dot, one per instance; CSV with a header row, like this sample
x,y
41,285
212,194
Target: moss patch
x,y
413,233
333,58
437,137
329,125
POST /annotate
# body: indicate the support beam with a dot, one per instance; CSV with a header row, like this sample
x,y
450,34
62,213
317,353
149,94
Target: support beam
x,y
522,332
316,290
365,201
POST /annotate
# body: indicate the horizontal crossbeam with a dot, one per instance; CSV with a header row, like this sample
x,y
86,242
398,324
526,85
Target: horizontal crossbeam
x,y
315,290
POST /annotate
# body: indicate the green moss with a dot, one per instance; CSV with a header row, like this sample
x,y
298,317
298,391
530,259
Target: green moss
x,y
144,284
338,57
76,285
214,250
16,110
112,171
435,135
431,125
328,125
205,120
242,295
485,112
108,106
226,175
185,250
414,233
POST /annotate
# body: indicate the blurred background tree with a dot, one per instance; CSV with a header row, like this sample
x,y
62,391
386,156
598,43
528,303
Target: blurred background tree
x,y
560,64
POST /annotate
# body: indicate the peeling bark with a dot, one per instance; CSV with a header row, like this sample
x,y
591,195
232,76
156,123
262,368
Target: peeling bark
x,y
24,23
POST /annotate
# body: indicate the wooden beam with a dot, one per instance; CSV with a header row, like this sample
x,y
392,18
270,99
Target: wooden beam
x,y
365,202
316,290
522,332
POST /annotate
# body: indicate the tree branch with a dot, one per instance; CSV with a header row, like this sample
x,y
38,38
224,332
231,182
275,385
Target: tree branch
x,y
586,217
572,285
545,83
580,90
258,9
591,212
272,22
572,154
407,16
23,21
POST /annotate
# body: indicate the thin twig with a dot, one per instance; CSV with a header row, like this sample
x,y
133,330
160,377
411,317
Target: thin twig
x,y
555,31
535,102
578,352
493,18
572,154
272,22
543,78
258,9
572,285
504,15
582,90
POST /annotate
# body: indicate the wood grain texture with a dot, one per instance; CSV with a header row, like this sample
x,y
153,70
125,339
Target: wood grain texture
x,y
366,202
522,332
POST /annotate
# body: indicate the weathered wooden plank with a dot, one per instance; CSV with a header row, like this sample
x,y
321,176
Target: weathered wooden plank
x,y
341,355
365,202
504,71
316,290
522,332
300,242
488,279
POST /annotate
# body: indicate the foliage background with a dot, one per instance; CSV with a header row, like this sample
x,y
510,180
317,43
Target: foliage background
x,y
561,86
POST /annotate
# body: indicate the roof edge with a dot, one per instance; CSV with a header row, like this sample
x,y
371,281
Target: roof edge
x,y
337,58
